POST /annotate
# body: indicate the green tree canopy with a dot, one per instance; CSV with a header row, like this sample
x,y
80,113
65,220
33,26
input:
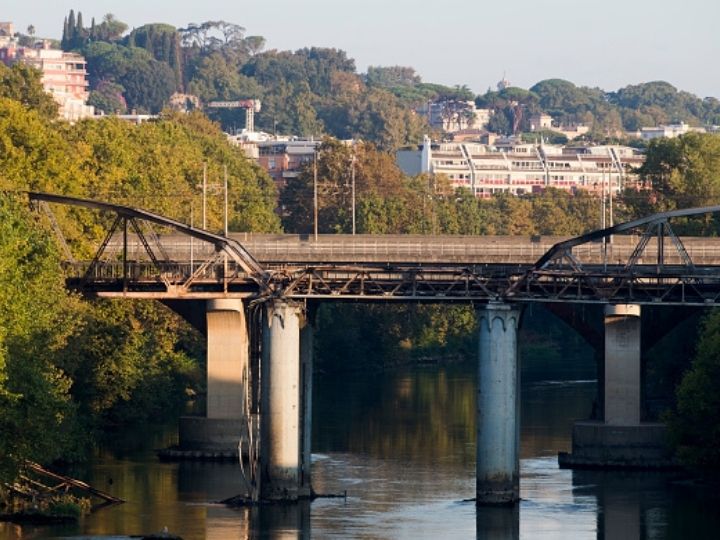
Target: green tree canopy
x,y
23,84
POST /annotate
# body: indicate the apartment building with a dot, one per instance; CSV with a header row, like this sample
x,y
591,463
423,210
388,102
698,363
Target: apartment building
x,y
284,159
523,168
64,75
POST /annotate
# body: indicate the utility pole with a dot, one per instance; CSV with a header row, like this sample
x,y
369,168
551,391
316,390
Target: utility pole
x,y
610,195
226,201
603,220
315,193
225,259
192,244
353,186
204,196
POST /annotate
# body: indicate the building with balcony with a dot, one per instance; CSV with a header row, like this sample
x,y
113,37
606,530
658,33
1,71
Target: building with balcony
x,y
524,168
284,159
64,75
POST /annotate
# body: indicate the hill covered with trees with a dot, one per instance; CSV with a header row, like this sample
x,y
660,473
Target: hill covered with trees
x,y
317,91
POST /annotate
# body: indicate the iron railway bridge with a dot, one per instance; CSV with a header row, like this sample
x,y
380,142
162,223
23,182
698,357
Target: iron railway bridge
x,y
145,255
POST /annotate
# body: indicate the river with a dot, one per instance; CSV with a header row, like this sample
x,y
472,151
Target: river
x,y
401,446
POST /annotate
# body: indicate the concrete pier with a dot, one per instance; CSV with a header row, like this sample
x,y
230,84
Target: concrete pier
x,y
620,440
307,347
219,431
280,403
498,406
622,365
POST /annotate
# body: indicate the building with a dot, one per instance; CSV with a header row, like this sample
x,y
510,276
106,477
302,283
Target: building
x,y
64,74
523,168
284,159
540,121
7,30
451,116
669,131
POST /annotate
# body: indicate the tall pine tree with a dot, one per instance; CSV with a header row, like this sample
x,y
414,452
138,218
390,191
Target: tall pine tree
x,y
64,40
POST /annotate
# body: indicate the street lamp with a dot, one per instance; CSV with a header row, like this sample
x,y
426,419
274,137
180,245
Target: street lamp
x,y
315,192
352,176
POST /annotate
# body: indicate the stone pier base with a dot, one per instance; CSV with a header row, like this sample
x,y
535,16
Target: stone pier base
x,y
203,438
597,445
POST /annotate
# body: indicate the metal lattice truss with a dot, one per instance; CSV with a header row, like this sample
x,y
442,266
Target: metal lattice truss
x,y
658,270
382,282
132,260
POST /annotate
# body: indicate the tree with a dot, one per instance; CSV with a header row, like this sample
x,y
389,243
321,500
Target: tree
x,y
147,83
22,83
681,173
110,29
215,78
37,416
693,425
162,41
390,77
107,97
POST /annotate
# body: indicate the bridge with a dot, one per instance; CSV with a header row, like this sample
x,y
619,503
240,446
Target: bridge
x,y
258,293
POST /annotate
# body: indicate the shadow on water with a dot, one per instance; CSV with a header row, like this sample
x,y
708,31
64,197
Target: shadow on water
x,y
498,523
403,447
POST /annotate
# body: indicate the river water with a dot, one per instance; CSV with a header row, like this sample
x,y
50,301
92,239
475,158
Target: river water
x,y
401,446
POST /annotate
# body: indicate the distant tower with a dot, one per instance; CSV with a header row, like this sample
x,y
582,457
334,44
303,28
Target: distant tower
x,y
503,84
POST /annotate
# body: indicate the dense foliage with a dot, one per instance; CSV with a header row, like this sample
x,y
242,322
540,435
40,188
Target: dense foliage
x,y
37,412
70,367
694,424
66,364
388,202
607,114
317,91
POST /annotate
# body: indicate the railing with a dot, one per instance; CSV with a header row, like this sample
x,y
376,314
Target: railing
x,y
292,249
147,271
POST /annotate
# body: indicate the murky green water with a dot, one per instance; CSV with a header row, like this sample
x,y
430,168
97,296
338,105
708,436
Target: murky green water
x,y
402,446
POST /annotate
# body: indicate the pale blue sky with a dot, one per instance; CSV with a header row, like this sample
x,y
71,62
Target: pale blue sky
x,y
608,43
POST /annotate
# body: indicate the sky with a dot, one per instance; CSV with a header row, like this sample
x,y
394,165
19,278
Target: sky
x,y
607,44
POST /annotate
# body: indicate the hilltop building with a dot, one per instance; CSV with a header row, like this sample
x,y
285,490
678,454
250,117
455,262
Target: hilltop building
x,y
64,75
451,116
284,159
7,30
509,166
542,121
670,131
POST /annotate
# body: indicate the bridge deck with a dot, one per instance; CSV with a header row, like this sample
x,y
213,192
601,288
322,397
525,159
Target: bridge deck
x,y
291,249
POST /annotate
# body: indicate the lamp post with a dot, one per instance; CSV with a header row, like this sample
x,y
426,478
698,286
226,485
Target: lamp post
x,y
352,176
315,193
226,200
204,196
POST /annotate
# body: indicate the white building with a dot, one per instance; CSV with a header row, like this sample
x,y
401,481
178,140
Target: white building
x,y
669,131
64,75
452,116
523,168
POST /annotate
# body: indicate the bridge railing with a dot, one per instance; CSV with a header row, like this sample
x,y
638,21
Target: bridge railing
x,y
295,249
173,272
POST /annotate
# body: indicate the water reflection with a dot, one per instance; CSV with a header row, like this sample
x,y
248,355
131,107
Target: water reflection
x,y
498,523
633,505
402,446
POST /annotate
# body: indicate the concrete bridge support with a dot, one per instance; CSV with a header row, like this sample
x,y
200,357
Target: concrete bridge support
x,y
307,347
282,422
620,440
218,433
498,407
